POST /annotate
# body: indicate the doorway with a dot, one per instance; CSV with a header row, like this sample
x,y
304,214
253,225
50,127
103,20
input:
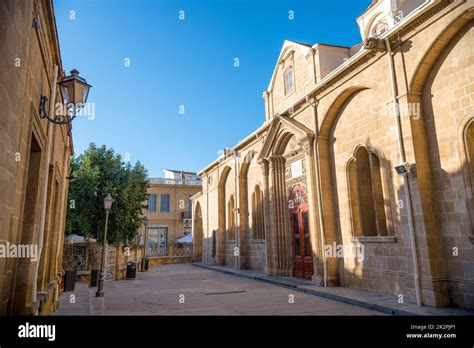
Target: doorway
x,y
299,222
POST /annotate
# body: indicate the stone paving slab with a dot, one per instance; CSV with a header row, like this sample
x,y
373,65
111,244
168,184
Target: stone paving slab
x,y
81,298
206,292
383,303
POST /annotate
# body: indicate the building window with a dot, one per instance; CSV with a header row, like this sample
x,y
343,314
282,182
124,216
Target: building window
x,y
152,203
165,203
157,241
231,219
289,80
190,208
366,195
257,214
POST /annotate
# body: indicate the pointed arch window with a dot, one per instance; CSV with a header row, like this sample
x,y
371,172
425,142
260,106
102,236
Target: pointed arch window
x,y
367,195
289,79
231,219
214,243
468,140
257,214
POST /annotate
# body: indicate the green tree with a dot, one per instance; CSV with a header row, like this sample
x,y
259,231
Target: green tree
x,y
99,171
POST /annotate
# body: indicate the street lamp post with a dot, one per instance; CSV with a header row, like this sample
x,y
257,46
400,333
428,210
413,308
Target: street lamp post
x,y
145,223
107,206
143,263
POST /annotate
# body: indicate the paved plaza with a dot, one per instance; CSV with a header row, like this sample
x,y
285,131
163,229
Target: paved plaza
x,y
184,289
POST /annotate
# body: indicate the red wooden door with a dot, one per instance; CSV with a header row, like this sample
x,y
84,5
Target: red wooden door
x,y
299,219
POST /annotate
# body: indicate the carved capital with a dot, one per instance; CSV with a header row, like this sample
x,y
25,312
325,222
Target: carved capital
x,y
306,145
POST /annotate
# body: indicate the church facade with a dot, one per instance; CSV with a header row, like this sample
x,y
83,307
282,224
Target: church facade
x,y
362,174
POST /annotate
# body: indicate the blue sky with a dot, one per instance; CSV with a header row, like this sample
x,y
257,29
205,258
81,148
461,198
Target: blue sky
x,y
190,63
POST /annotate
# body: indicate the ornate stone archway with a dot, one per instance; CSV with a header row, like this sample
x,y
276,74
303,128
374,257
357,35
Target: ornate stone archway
x,y
273,162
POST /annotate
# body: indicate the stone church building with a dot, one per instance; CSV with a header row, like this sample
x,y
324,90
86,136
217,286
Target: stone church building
x,y
362,174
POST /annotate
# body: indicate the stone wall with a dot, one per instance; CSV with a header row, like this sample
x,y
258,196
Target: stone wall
x,y
257,255
123,255
29,53
168,260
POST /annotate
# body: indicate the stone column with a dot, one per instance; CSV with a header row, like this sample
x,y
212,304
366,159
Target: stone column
x,y
429,241
193,228
243,236
220,232
328,207
269,230
307,146
279,209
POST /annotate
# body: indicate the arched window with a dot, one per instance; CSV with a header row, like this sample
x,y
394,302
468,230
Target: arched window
x,y
214,243
231,219
380,28
289,77
366,194
354,198
469,140
257,214
469,146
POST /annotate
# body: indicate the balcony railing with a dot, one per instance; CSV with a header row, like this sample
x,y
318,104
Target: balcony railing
x,y
169,249
163,181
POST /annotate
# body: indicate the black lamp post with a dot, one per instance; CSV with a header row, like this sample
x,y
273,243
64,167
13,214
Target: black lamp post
x,y
107,206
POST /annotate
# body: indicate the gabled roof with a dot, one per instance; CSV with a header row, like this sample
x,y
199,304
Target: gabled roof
x,y
287,46
283,123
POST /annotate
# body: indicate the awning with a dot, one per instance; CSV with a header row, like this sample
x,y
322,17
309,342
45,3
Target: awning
x,y
75,238
185,239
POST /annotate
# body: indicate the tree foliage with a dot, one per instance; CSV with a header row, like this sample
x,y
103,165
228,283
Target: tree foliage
x,y
99,171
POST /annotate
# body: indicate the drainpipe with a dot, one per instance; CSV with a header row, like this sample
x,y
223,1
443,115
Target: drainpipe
x,y
44,197
319,190
401,150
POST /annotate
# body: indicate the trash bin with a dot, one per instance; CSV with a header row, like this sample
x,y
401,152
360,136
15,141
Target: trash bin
x,y
146,264
131,270
70,280
94,277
